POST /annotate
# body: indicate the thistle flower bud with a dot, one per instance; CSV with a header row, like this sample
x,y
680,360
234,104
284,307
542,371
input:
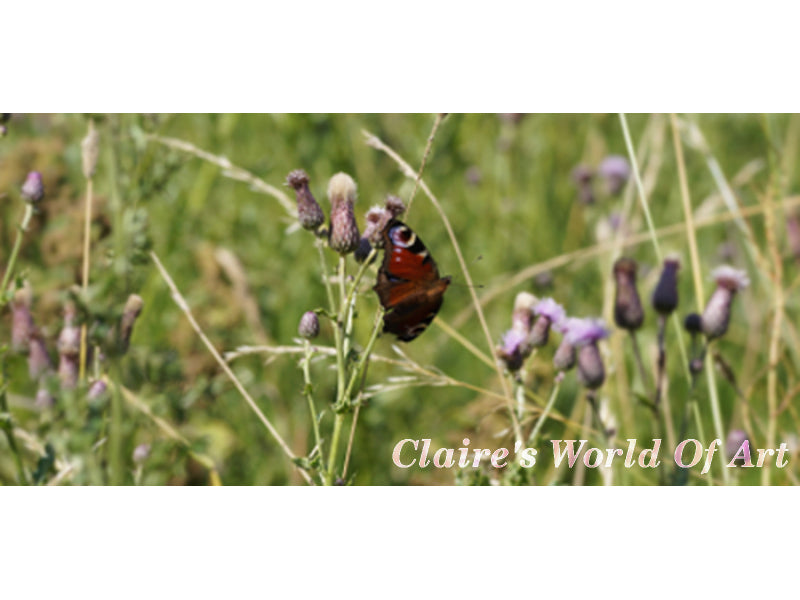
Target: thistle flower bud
x,y
665,296
717,314
628,311
564,358
616,171
21,320
141,453
582,177
33,188
584,334
38,358
344,235
309,325
548,311
693,323
309,212
69,347
133,307
363,251
90,150
376,220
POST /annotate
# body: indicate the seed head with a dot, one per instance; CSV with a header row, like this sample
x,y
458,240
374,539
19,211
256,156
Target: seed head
x,y
33,188
309,212
309,325
90,149
395,206
665,296
344,236
628,311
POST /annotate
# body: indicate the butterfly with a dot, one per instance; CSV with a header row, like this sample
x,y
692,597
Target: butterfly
x,y
408,286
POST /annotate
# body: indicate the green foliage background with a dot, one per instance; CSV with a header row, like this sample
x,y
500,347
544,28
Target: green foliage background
x,y
505,184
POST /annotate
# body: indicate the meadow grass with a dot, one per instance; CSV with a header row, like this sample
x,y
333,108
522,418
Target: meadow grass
x,y
493,200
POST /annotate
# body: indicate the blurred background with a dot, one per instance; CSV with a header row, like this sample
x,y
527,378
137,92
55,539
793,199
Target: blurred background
x,y
507,184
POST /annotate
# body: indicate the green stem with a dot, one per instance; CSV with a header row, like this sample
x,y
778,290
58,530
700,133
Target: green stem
x,y
23,227
310,396
541,420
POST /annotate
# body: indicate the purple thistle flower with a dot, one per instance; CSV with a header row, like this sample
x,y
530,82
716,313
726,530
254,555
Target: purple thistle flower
x,y
586,331
511,349
549,311
615,170
33,188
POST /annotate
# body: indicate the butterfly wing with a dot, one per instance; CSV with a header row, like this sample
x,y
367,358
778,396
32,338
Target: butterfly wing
x,y
408,286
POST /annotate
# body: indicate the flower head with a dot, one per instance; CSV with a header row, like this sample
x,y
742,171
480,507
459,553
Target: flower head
x,y
511,348
628,311
344,236
717,313
33,188
309,325
665,296
582,332
549,312
615,170
309,212
730,278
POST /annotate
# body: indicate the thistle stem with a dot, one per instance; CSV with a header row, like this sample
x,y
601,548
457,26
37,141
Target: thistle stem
x,y
308,391
23,227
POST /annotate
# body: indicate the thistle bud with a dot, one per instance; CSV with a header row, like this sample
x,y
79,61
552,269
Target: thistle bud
x,y
564,358
133,307
33,188
309,325
97,391
309,212
376,220
718,310
363,251
344,235
582,177
628,311
584,335
90,150
395,206
21,320
693,323
665,296
522,315
616,171
38,358
548,311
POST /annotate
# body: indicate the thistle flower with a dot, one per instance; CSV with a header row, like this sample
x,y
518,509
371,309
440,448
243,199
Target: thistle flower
x,y
133,307
584,335
33,188
309,325
616,171
628,311
21,319
69,346
376,219
309,212
344,235
582,177
717,314
522,314
564,357
548,311
510,351
665,296
90,150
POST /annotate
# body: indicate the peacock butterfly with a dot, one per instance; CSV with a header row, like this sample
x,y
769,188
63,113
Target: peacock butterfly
x,y
408,286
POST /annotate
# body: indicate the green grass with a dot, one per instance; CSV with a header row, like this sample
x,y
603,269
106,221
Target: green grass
x,y
520,213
